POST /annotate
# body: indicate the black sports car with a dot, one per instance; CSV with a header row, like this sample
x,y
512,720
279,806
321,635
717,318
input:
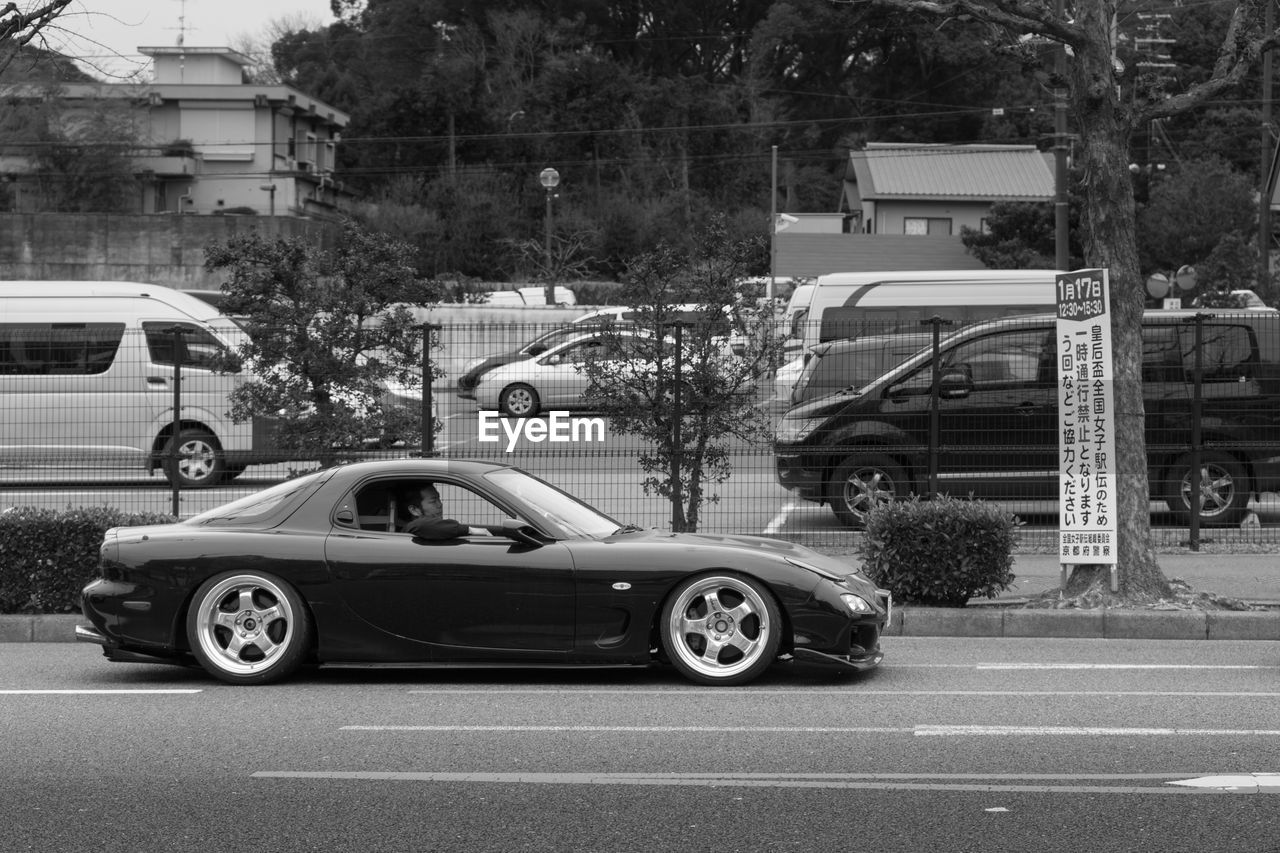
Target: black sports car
x,y
315,571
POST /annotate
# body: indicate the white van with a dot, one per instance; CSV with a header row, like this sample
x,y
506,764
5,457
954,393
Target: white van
x,y
847,305
86,379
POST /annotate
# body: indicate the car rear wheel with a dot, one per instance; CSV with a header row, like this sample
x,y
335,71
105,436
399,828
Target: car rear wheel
x,y
200,462
1224,489
518,401
863,482
248,628
721,629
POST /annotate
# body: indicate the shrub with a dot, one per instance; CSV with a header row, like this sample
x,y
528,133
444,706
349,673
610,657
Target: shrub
x,y
47,556
939,552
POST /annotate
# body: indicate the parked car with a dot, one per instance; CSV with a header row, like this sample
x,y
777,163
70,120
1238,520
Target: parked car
x,y
1244,299
839,365
998,416
315,571
473,370
556,379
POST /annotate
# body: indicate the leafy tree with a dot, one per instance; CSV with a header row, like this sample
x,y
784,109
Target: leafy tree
x,y
1190,210
1232,265
1107,106
1019,236
328,330
676,385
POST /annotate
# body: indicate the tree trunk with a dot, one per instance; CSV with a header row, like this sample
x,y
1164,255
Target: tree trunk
x,y
1110,242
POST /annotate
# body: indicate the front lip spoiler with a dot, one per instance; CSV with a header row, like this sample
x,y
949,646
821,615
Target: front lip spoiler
x,y
88,634
856,662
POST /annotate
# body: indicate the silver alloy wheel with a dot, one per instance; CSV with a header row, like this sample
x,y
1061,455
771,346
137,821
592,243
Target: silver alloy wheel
x,y
519,401
1217,491
245,624
865,489
719,626
197,459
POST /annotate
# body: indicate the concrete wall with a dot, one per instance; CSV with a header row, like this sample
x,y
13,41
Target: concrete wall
x,y
166,249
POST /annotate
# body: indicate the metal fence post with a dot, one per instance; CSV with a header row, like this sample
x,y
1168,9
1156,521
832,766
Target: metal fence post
x,y
428,420
1197,411
677,437
175,480
935,415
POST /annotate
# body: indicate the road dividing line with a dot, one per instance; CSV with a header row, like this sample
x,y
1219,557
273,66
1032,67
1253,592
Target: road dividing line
x,y
780,519
887,782
1088,731
1058,666
95,692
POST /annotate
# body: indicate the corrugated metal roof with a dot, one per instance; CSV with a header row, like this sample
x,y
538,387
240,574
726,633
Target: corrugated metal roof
x,y
959,172
819,254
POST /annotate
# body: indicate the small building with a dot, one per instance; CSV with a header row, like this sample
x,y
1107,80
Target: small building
x,y
209,141
934,190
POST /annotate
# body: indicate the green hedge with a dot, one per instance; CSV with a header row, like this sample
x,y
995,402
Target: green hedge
x,y
939,552
47,556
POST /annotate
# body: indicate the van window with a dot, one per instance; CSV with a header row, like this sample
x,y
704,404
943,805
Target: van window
x,y
851,321
198,347
58,348
1227,353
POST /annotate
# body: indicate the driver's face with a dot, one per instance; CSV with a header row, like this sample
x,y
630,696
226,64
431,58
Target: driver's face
x,y
432,508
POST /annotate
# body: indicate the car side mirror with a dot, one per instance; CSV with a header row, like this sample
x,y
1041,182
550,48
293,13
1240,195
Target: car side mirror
x,y
954,386
519,531
345,516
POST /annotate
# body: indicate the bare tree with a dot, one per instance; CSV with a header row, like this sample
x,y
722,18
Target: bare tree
x,y
22,22
1106,102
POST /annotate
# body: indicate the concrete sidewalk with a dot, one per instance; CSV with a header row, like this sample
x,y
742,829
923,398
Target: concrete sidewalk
x,y
1253,578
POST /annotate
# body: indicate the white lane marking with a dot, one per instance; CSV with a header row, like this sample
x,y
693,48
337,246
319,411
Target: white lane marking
x,y
917,731
646,729
780,519
1242,783
730,780
852,694
1117,666
104,692
1091,731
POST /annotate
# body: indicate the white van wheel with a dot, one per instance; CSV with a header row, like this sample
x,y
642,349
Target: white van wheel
x,y
199,462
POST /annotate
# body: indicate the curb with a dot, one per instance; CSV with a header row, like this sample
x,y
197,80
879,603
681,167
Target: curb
x,y
909,621
1101,624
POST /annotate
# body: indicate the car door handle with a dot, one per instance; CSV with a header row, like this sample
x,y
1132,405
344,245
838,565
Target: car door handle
x,y
156,380
1026,408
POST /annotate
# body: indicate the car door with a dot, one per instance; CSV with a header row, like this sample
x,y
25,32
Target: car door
x,y
562,376
471,598
999,435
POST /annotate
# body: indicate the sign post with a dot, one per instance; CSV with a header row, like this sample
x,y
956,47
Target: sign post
x,y
1086,422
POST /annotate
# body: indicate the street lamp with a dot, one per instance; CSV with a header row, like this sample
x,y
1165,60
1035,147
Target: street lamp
x,y
550,179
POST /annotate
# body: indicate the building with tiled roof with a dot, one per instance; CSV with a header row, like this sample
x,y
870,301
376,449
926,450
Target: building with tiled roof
x,y
934,190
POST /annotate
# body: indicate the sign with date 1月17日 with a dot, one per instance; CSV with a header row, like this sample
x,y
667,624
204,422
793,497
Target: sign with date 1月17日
x,y
1086,420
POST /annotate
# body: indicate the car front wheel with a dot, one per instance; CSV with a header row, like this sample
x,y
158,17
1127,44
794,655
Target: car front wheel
x,y
1224,489
248,628
199,462
721,629
863,482
518,401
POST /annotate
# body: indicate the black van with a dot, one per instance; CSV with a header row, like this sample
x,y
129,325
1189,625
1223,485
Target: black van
x,y
998,419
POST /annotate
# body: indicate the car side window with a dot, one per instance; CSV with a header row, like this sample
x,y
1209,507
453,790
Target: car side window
x,y
1008,358
1227,354
197,348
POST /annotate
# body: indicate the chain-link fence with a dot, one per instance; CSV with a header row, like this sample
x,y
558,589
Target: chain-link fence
x,y
88,418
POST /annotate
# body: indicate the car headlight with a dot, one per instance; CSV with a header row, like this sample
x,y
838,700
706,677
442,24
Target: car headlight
x,y
857,603
792,431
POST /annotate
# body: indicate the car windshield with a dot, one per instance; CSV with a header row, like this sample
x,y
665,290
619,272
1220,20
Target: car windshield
x,y
542,500
259,504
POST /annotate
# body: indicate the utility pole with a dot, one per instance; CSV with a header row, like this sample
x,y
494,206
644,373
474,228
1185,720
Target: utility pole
x,y
1268,171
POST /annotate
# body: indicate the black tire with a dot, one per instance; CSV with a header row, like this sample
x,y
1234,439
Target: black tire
x,y
249,628
519,401
722,629
862,482
1224,489
200,463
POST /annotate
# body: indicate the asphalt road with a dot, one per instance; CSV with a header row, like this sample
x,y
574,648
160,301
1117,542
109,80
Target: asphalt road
x,y
954,744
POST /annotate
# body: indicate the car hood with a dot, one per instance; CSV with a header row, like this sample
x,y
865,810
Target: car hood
x,y
757,546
